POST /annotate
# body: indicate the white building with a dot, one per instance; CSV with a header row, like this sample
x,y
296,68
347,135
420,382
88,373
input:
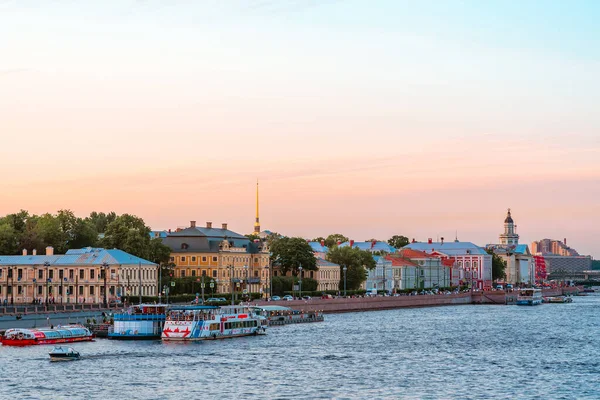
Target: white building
x,y
520,267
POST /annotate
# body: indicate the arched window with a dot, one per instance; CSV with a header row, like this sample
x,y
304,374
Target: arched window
x,y
184,246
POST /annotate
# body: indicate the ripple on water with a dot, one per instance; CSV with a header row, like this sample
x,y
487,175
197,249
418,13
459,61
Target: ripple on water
x,y
466,352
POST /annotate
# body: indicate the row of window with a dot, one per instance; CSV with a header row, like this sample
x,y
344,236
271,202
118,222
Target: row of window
x,y
214,259
68,290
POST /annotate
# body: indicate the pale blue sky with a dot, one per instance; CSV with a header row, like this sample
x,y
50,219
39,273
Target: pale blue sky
x,y
377,97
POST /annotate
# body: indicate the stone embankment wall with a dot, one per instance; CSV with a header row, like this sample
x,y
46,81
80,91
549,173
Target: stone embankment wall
x,y
373,303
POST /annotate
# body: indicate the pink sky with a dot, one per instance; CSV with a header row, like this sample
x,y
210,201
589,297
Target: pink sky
x,y
364,128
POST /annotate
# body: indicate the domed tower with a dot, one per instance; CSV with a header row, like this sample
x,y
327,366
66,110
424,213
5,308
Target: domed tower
x,y
509,237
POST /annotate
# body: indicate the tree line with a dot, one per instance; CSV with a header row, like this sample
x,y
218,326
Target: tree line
x,y
64,231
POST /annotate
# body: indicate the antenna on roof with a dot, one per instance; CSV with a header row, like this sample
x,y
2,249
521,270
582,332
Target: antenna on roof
x,y
456,236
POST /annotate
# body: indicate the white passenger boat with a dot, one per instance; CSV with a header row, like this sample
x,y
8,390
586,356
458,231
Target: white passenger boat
x,y
60,353
529,297
192,323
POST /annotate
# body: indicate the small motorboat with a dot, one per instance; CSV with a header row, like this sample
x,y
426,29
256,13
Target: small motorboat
x,y
63,354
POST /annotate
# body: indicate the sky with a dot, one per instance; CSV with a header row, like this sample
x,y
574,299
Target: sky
x,y
367,118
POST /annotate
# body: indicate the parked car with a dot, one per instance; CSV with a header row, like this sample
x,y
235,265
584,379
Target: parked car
x,y
287,297
199,302
213,300
222,299
275,298
306,297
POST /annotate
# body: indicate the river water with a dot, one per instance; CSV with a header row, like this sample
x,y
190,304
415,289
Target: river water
x,y
467,352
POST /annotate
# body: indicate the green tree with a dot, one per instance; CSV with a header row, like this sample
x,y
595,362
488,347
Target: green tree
x,y
102,220
252,237
159,253
128,233
9,241
83,234
50,233
398,241
595,264
334,238
357,262
498,266
291,253
318,239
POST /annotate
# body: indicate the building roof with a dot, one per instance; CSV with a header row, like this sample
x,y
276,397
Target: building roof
x,y
324,263
318,248
508,219
412,253
371,246
449,248
208,232
401,262
206,240
75,257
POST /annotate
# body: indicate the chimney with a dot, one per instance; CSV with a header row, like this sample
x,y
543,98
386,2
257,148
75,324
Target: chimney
x,y
351,243
192,224
24,252
565,241
169,230
224,225
49,251
323,243
209,225
430,240
34,252
442,240
414,241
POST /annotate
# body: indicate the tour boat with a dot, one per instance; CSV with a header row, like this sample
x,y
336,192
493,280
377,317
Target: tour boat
x,y
144,321
63,354
29,337
529,297
280,315
558,299
194,323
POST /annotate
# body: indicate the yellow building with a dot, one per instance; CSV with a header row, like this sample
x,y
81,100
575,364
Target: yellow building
x,y
221,255
79,276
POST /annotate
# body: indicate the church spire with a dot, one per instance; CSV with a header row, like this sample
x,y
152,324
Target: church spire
x,y
257,221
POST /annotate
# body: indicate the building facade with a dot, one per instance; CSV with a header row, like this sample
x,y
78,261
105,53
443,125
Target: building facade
x,y
471,264
520,265
556,247
79,276
220,255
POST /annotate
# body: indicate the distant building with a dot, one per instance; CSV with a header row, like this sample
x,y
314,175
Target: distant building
x,y
520,266
219,254
75,277
469,262
550,246
374,246
566,267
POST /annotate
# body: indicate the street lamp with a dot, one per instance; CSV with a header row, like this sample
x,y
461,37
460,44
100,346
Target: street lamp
x,y
345,269
105,269
300,280
246,273
47,265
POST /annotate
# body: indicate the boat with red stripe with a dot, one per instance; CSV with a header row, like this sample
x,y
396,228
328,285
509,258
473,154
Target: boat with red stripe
x,y
61,334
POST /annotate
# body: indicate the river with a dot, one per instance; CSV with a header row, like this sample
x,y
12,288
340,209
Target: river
x,y
468,352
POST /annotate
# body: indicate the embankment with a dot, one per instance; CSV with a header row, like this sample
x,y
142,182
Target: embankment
x,y
339,305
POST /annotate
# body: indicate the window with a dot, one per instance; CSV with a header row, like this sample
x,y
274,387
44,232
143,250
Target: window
x,y
81,273
70,291
10,274
19,274
182,259
91,290
81,290
61,274
41,274
92,274
214,259
172,259
184,246
255,274
255,259
193,259
19,289
193,272
203,272
215,273
183,274
40,290
71,274
203,259
51,274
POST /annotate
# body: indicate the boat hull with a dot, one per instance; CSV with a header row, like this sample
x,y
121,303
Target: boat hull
x,y
34,342
529,302
112,336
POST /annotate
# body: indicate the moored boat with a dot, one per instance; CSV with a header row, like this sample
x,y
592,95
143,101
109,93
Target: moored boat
x,y
280,315
139,322
558,299
193,323
60,353
529,297
29,337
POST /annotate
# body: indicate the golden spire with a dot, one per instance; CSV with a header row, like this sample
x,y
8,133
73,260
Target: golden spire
x,y
257,221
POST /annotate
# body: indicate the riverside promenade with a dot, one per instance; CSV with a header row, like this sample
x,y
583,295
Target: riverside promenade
x,y
30,316
354,304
